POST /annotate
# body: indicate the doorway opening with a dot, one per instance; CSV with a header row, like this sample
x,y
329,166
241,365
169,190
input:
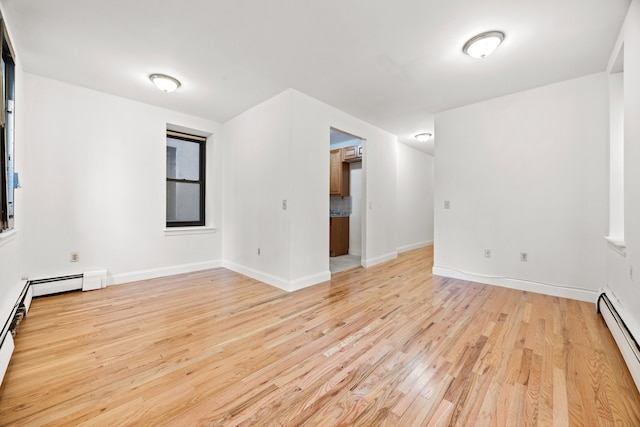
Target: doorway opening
x,y
346,201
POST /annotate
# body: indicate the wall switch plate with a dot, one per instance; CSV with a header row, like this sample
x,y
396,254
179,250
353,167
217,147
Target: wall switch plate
x,y
75,257
487,253
524,257
447,204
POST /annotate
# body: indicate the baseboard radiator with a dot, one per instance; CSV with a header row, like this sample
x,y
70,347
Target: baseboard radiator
x,y
18,312
88,281
54,285
627,342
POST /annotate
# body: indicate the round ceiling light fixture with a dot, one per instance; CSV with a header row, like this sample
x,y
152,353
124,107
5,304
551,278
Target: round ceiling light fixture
x,y
423,137
164,82
484,44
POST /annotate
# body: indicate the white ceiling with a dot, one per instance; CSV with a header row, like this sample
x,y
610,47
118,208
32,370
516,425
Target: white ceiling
x,y
391,63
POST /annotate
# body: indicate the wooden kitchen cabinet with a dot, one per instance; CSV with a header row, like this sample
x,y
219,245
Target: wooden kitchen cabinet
x,y
338,174
338,235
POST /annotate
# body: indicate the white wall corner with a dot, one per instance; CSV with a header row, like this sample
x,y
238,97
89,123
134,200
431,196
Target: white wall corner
x,y
522,285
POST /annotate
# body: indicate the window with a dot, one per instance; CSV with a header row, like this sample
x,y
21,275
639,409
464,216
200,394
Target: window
x,y
185,179
7,98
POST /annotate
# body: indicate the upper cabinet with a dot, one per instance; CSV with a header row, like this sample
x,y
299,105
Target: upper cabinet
x,y
338,174
352,154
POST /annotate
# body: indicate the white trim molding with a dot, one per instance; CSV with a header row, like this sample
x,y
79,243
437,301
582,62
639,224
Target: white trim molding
x,y
617,245
285,285
134,276
413,246
257,275
305,282
523,285
380,259
188,231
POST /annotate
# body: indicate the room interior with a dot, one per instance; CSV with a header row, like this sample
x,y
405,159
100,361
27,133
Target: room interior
x,y
526,181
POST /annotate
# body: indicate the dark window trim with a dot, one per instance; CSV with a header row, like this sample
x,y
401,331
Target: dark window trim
x,y
202,141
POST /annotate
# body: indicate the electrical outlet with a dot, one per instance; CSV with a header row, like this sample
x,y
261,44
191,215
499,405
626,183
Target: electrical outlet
x,y
75,257
258,251
524,257
487,253
284,205
447,204
631,272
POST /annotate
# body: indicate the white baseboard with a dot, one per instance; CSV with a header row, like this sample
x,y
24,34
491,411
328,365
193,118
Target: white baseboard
x,y
523,285
277,282
380,259
355,252
413,246
305,282
134,276
258,275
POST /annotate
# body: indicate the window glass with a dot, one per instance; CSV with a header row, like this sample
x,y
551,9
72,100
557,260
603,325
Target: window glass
x,y
183,159
185,180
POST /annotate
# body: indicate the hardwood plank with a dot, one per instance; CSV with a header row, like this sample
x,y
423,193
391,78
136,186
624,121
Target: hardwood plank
x,y
387,345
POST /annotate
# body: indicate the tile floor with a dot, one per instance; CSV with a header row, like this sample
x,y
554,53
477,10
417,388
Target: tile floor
x,y
343,262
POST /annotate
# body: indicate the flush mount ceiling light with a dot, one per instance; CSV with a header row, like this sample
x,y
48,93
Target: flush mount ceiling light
x,y
483,44
164,83
423,137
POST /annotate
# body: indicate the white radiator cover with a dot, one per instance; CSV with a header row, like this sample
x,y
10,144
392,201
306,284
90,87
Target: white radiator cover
x,y
6,350
623,331
56,285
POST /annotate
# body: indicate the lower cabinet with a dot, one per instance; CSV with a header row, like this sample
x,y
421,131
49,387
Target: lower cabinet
x,y
338,235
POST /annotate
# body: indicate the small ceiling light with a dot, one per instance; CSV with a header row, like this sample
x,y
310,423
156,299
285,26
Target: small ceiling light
x,y
423,137
483,44
164,83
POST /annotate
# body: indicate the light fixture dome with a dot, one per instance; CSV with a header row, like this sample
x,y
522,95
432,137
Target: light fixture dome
x,y
164,82
423,137
483,44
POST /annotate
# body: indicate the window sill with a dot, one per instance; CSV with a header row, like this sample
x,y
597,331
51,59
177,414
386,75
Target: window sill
x,y
7,236
617,245
188,231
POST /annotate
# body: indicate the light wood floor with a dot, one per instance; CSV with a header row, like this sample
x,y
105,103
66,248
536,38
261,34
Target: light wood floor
x,y
388,345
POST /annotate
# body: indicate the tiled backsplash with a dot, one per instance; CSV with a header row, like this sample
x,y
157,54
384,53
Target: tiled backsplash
x,y
340,206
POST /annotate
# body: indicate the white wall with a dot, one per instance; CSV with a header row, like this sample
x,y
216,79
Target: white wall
x,y
11,243
312,120
355,219
616,156
623,272
257,170
415,198
278,151
528,173
94,182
